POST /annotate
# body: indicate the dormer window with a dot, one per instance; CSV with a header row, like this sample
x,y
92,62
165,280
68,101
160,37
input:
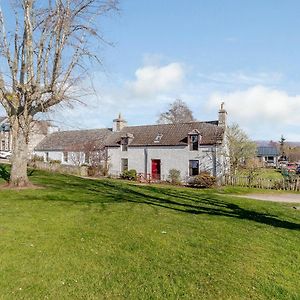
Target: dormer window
x,y
194,140
124,144
126,139
158,138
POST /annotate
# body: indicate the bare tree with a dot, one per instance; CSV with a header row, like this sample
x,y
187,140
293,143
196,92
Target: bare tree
x,y
293,154
239,147
91,154
46,54
178,113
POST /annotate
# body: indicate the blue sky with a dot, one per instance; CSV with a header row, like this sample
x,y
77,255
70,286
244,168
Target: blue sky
x,y
245,53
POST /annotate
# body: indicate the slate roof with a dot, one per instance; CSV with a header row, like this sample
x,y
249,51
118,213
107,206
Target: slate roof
x,y
171,134
267,151
75,140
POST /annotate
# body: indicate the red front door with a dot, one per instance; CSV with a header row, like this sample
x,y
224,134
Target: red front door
x,y
155,169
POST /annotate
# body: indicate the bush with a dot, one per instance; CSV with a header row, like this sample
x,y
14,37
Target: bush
x,y
129,175
92,171
54,161
104,169
35,158
174,176
4,173
203,180
278,185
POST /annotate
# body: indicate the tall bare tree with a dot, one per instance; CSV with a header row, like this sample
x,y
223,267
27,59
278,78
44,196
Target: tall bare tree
x,y
46,52
178,113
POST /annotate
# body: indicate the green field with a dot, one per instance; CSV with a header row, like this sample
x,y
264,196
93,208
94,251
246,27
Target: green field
x,y
264,173
85,239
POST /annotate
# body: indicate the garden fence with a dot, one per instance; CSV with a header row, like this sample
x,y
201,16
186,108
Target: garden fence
x,y
288,183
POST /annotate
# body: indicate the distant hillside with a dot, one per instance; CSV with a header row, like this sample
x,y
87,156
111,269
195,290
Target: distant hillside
x,y
264,143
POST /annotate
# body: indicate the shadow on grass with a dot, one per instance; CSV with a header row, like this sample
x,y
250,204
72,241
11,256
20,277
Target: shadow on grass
x,y
77,190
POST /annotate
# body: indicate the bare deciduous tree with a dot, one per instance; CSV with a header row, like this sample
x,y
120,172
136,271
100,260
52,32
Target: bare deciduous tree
x,y
91,154
177,113
46,54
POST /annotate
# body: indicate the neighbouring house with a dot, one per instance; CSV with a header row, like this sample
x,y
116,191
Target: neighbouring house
x,y
5,135
268,155
271,153
72,147
152,150
39,130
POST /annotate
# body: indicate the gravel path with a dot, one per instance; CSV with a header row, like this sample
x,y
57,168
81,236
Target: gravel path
x,y
289,198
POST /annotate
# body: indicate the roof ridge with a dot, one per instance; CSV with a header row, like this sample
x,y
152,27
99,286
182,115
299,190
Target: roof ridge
x,y
79,130
172,124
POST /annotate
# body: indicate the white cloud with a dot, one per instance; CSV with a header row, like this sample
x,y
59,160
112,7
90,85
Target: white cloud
x,y
243,78
151,80
260,108
139,100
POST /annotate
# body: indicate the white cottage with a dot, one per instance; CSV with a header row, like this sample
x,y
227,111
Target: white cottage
x,y
152,150
72,147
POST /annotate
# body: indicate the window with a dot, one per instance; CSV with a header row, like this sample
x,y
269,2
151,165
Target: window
x,y
3,145
193,167
47,156
65,157
158,138
194,142
86,158
124,144
124,164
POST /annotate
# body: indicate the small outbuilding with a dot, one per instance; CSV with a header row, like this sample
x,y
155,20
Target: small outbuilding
x,y
268,155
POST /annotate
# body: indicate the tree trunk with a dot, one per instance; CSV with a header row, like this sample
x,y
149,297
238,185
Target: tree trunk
x,y
20,134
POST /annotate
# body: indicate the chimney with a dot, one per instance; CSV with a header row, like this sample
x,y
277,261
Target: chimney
x,y
119,123
222,116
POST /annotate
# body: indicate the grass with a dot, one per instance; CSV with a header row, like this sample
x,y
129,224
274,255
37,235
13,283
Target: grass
x,y
265,173
86,239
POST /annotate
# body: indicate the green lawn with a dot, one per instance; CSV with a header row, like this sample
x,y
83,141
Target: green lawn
x,y
86,239
265,173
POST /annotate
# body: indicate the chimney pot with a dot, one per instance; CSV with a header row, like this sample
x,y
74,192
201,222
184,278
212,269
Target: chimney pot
x,y
119,123
222,116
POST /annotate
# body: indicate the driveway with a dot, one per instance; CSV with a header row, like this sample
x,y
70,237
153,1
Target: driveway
x,y
289,198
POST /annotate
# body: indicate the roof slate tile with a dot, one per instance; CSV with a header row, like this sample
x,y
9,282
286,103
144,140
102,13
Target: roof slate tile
x,y
171,135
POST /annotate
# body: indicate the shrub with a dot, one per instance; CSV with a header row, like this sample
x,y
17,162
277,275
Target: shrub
x,y
278,185
104,169
203,180
129,175
54,161
35,158
174,176
92,171
4,173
